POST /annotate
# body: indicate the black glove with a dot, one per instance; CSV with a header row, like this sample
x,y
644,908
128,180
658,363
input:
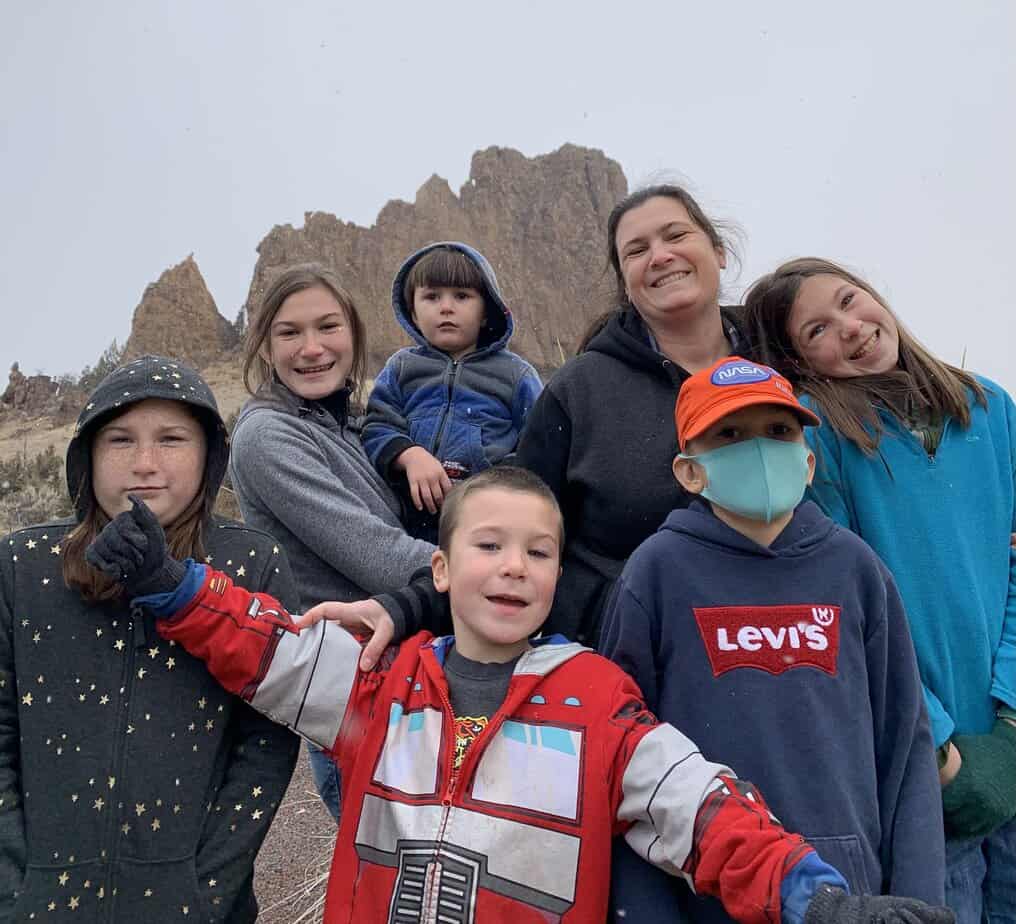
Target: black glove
x,y
834,906
132,550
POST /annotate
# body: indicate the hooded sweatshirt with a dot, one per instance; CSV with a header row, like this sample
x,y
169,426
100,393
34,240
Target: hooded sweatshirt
x,y
468,411
122,762
602,436
794,664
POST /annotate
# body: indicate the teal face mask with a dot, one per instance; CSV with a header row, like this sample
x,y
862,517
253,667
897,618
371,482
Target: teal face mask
x,y
761,479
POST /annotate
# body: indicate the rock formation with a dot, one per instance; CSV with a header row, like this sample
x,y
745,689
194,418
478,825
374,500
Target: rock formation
x,y
40,395
540,221
177,317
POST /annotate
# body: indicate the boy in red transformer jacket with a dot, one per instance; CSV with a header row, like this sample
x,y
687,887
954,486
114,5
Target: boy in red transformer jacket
x,y
484,774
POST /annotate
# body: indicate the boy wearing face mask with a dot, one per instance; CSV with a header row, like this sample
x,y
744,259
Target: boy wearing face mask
x,y
778,641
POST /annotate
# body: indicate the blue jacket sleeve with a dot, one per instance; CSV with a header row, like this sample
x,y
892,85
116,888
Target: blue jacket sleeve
x,y
630,638
910,802
526,392
1003,681
385,420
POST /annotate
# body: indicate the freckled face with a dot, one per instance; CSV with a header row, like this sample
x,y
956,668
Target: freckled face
x,y
155,450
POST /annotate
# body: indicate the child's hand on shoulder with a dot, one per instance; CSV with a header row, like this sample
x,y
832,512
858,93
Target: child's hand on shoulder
x,y
428,481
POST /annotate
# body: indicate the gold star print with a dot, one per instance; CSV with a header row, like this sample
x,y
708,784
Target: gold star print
x,y
102,892
185,909
176,809
62,878
141,673
45,581
74,797
256,791
37,638
252,553
88,883
73,903
130,729
27,699
156,824
238,807
170,663
275,550
209,725
153,652
139,807
103,700
98,804
126,827
202,703
118,644
81,697
30,544
40,679
111,782
191,727
51,906
24,623
148,893
98,633
240,572
156,378
256,814
56,549
208,559
212,883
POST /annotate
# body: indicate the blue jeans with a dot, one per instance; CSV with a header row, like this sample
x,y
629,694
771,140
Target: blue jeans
x,y
326,778
980,877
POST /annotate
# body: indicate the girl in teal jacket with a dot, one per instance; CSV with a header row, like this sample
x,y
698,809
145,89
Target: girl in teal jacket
x,y
918,458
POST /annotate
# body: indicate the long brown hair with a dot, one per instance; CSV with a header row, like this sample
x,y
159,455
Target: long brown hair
x,y
184,536
293,279
920,380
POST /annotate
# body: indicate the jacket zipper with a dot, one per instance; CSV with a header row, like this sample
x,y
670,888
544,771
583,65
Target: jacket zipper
x,y
112,848
445,412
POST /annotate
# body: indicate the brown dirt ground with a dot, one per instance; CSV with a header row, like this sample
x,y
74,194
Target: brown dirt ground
x,y
291,870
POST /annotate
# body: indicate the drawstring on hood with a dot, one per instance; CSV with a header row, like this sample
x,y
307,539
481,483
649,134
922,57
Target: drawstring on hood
x,y
144,378
498,325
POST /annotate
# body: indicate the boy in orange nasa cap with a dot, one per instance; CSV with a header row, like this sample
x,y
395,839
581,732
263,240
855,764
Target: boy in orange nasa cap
x,y
777,639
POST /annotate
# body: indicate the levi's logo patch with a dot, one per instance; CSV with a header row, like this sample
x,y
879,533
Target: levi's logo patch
x,y
771,638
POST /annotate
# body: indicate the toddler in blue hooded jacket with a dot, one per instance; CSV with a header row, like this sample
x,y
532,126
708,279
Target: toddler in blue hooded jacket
x,y
778,639
455,402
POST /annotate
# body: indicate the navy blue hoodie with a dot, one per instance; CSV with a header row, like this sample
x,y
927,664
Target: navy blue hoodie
x,y
793,664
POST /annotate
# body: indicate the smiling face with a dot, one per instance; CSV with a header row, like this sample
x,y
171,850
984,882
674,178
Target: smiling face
x,y
840,330
155,450
449,318
669,265
310,344
500,571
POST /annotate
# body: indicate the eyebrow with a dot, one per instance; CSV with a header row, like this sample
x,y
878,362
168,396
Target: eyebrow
x,y
331,314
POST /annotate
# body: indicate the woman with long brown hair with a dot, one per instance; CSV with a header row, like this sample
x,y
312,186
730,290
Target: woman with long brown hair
x,y
298,467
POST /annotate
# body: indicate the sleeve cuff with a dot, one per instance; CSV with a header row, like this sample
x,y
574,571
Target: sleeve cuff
x,y
801,885
390,452
167,604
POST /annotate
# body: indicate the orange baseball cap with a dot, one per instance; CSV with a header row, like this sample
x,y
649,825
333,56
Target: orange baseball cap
x,y
727,386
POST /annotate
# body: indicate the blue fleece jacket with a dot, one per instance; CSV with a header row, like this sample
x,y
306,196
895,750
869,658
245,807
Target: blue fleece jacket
x,y
794,665
942,525
469,411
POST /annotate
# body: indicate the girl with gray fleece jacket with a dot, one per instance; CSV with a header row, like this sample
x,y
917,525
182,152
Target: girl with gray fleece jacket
x,y
297,465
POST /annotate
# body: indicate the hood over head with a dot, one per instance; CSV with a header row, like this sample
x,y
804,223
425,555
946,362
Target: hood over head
x,y
498,326
144,378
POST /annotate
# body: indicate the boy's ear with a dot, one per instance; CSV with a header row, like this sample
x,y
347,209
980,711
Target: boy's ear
x,y
690,475
811,467
439,570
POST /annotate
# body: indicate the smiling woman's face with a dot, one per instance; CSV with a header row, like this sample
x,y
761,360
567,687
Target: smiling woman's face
x,y
840,330
156,450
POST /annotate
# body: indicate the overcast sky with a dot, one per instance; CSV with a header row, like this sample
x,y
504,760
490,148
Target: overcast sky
x,y
882,134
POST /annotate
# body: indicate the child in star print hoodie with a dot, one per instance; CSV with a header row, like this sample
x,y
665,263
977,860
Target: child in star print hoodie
x,y
122,761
